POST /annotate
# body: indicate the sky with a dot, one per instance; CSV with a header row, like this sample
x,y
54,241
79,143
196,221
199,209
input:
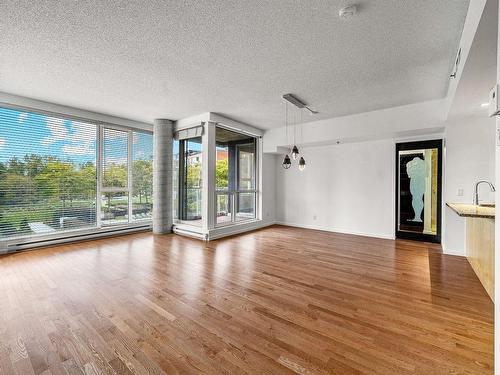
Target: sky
x,y
24,133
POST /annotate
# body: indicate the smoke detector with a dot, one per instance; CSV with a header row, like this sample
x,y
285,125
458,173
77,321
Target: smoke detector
x,y
348,11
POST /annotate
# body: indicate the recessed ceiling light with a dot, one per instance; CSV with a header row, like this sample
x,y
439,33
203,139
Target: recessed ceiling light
x,y
348,11
485,105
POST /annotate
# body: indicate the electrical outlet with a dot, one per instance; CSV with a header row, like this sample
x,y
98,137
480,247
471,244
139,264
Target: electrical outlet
x,y
460,192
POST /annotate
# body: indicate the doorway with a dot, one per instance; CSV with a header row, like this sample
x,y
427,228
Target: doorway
x,y
418,190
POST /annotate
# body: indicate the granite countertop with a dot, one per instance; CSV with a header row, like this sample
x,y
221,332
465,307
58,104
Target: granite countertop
x,y
471,210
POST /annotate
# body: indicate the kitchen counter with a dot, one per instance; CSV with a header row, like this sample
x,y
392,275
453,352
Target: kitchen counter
x,y
471,210
479,241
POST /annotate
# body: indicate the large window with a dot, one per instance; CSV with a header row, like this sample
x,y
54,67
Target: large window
x,y
50,179
235,176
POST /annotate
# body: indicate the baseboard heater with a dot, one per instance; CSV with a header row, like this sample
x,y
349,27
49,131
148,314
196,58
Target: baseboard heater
x,y
190,233
28,244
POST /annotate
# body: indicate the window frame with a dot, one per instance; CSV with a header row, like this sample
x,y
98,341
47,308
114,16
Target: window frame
x,y
182,184
98,229
233,194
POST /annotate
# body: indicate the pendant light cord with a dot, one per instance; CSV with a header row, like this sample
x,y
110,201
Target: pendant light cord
x,y
294,126
301,127
286,122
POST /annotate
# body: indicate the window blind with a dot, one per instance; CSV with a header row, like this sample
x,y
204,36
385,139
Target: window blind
x,y
50,178
47,174
196,131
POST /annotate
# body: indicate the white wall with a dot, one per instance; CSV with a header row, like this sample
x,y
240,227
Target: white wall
x,y
350,187
470,156
347,187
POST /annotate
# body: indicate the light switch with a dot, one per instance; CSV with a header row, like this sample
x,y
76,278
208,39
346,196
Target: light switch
x,y
460,192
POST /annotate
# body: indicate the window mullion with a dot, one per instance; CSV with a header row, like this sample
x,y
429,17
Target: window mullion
x,y
129,174
98,204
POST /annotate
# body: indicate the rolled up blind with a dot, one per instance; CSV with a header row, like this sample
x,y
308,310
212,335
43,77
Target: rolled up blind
x,y
196,131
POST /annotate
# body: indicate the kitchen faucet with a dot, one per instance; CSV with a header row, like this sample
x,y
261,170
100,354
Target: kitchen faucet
x,y
476,190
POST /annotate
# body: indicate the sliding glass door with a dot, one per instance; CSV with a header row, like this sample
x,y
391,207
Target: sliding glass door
x,y
190,180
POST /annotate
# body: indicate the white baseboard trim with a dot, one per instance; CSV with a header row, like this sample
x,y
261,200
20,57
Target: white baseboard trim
x,y
460,253
337,230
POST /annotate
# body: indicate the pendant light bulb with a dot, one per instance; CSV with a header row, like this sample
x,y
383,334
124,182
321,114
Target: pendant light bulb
x,y
295,152
287,163
302,164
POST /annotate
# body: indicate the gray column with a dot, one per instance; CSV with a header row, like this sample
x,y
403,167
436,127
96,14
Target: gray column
x,y
162,176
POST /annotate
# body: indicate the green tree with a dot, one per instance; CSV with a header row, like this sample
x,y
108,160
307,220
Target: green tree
x,y
193,187
16,166
115,175
34,164
58,181
16,189
142,172
221,174
86,178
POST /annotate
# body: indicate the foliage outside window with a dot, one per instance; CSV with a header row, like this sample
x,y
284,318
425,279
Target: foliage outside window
x,y
48,175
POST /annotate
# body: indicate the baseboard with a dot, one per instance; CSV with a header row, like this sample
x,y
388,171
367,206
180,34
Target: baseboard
x,y
337,230
454,252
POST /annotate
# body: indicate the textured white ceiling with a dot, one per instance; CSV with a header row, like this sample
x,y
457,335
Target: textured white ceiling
x,y
173,59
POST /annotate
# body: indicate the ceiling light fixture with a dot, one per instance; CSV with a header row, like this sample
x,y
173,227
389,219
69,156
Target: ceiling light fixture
x,y
348,11
484,105
290,98
302,161
287,163
302,164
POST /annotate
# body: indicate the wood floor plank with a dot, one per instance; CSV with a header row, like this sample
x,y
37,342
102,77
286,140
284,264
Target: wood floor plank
x,y
280,300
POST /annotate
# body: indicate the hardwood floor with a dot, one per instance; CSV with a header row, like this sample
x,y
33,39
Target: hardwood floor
x,y
277,301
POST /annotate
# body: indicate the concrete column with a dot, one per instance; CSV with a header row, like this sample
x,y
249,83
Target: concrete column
x,y
162,176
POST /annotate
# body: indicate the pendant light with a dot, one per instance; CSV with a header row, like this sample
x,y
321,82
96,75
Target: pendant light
x,y
302,163
287,163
